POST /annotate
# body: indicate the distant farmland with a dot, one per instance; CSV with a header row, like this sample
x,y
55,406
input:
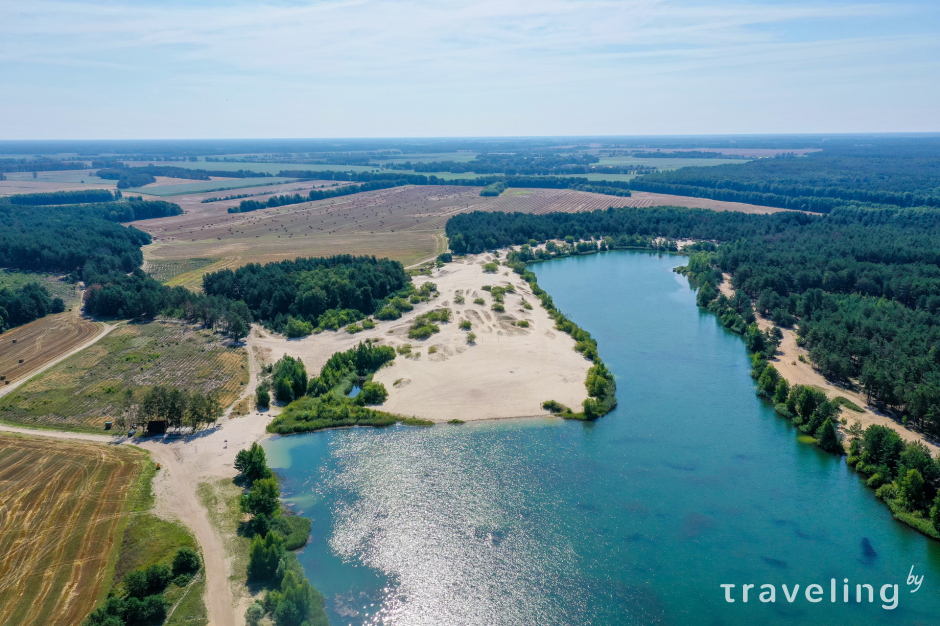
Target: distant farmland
x,y
61,516
402,223
84,390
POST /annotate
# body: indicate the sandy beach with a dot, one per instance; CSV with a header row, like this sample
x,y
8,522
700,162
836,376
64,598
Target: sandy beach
x,y
508,372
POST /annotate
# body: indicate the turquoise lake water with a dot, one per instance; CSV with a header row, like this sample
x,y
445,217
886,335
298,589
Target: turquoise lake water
x,y
638,518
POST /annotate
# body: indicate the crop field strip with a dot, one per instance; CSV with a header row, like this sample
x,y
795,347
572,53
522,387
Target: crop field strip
x,y
84,390
61,506
40,342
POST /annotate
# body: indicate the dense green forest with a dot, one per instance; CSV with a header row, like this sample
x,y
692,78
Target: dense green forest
x,y
25,304
67,239
313,291
817,182
862,285
63,197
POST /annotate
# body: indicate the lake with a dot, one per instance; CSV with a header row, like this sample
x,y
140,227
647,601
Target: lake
x,y
638,518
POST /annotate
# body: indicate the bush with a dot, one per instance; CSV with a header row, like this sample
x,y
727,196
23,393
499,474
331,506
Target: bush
x,y
352,329
294,529
388,313
465,325
522,324
368,324
471,338
147,582
479,301
372,393
498,307
555,407
298,328
254,614
491,268
263,398
459,300
424,331
186,561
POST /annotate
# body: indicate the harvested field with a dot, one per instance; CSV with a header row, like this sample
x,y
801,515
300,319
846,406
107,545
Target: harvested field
x,y
62,511
40,342
402,223
82,392
177,186
645,199
46,183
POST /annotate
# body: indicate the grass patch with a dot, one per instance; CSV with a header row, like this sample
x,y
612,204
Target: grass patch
x,y
456,421
417,421
242,407
842,401
295,530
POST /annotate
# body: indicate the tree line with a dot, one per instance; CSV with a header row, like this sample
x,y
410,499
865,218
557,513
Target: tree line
x,y
817,182
63,197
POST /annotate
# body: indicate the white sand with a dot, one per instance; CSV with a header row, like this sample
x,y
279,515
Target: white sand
x,y
509,372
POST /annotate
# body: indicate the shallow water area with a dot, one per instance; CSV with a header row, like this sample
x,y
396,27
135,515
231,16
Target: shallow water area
x,y
638,518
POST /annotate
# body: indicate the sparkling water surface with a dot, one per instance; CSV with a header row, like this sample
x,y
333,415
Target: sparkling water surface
x,y
637,518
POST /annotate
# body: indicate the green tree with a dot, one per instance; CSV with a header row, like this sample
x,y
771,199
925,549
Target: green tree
x,y
263,498
252,463
828,438
186,561
911,489
263,398
782,391
767,383
264,557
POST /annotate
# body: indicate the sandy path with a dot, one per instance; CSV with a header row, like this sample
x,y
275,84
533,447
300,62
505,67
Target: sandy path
x,y
798,372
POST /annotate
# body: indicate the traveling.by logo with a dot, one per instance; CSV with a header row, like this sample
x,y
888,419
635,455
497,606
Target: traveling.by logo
x,y
815,593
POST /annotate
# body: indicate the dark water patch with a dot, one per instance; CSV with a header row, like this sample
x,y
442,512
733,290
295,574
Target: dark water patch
x,y
774,562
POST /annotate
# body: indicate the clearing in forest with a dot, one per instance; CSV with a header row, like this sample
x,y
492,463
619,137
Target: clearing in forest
x,y
85,390
61,520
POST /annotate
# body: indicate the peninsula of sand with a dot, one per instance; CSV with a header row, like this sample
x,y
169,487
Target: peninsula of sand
x,y
507,371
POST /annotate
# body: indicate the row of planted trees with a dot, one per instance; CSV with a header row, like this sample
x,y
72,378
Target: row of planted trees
x,y
177,407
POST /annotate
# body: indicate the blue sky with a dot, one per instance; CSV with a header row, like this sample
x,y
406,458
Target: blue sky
x,y
393,68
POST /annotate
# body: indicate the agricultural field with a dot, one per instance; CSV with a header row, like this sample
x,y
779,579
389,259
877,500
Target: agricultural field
x,y
178,189
83,391
46,182
29,347
402,223
64,508
168,271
